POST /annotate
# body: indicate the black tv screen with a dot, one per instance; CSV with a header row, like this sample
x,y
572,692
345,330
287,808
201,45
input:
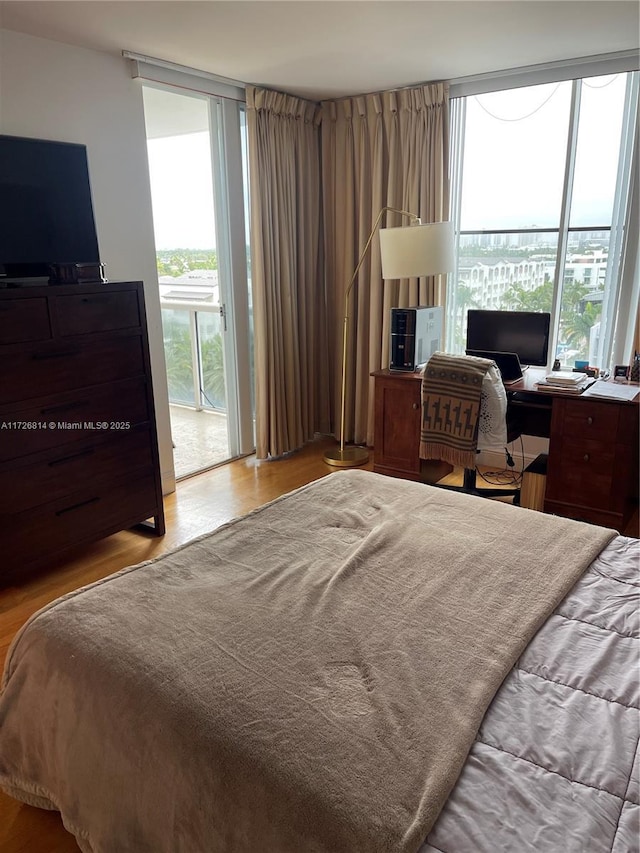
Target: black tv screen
x,y
46,212
524,332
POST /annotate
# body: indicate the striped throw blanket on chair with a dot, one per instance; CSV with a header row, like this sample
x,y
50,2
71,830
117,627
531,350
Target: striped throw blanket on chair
x,y
451,399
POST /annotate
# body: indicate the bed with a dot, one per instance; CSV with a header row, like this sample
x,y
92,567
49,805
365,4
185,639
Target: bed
x,y
364,665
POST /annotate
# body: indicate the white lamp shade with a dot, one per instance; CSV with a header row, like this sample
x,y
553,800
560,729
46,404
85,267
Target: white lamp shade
x,y
416,250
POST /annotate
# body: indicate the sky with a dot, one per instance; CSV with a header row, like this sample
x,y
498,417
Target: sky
x,y
182,192
515,151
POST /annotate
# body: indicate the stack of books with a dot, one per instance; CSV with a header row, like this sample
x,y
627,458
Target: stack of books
x,y
568,383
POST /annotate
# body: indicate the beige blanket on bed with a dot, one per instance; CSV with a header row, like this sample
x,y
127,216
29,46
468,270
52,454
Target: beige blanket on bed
x,y
308,679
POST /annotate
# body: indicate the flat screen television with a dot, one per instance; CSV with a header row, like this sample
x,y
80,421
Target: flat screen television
x,y
46,211
525,333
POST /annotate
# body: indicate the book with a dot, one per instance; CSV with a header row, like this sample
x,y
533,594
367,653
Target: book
x,y
613,391
564,379
566,388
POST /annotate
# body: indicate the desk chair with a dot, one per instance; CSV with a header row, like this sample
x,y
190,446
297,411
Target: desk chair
x,y
464,410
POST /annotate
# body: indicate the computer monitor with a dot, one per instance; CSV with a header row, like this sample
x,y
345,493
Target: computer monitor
x,y
525,333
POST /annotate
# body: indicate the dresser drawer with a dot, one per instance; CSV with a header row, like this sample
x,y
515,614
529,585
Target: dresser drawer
x,y
53,368
73,416
24,320
81,314
589,419
583,472
583,513
90,513
40,478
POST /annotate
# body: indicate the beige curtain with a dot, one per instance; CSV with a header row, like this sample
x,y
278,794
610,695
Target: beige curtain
x,y
289,305
377,150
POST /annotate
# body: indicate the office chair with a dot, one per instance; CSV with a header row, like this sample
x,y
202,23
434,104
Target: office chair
x,y
464,410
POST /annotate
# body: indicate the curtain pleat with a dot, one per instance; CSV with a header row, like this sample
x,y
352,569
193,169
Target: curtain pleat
x,y
388,149
289,305
318,180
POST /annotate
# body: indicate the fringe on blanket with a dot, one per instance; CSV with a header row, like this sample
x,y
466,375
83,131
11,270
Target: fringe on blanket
x,y
451,399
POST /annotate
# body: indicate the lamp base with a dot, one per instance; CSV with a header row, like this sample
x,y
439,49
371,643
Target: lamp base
x,y
349,457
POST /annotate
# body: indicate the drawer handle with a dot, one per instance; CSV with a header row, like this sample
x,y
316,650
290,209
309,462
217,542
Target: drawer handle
x,y
72,456
64,407
42,356
415,406
77,506
586,457
589,420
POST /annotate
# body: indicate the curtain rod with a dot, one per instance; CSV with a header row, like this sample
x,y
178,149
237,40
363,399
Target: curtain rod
x,y
206,75
629,58
183,69
620,55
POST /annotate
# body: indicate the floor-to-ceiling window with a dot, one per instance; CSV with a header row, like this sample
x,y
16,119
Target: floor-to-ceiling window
x,y
541,178
198,187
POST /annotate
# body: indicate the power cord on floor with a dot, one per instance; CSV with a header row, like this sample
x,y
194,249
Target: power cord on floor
x,y
507,476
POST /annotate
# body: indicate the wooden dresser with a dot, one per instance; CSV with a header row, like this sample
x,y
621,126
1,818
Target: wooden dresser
x,y
78,443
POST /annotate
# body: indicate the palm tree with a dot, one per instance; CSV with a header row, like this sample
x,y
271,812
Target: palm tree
x,y
465,299
577,327
213,371
177,351
538,299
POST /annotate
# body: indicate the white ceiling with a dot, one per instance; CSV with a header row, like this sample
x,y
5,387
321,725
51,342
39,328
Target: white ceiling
x,y
337,47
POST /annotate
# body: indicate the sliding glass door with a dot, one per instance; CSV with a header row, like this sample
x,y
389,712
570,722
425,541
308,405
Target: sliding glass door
x,y
198,187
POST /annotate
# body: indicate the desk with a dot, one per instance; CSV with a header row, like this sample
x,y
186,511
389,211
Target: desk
x,y
592,472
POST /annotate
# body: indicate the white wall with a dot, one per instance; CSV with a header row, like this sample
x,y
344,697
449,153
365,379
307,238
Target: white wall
x,y
55,91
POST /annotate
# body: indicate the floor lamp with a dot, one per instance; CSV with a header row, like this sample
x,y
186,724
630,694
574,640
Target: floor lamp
x,y
409,251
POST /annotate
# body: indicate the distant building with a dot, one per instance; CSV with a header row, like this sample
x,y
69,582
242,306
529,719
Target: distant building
x,y
489,279
588,269
192,286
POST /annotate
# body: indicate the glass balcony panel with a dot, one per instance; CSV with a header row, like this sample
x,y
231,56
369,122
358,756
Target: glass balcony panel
x,y
178,356
212,386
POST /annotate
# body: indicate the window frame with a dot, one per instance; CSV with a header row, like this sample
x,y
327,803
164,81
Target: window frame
x,y
622,286
226,103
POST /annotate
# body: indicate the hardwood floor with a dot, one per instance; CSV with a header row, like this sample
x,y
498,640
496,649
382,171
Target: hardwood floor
x,y
199,505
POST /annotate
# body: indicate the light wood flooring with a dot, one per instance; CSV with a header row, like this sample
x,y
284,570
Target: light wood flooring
x,y
199,505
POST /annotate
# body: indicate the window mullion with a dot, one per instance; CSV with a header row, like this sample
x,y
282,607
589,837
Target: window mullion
x,y
612,346
218,167
565,212
458,126
232,270
238,298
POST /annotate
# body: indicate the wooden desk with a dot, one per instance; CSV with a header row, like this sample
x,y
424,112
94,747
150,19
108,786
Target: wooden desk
x,y
592,472
396,448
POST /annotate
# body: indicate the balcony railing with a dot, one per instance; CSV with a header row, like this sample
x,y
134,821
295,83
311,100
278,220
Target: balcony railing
x,y
194,353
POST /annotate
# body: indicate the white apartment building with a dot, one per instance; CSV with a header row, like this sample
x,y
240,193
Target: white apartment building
x,y
489,279
588,269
